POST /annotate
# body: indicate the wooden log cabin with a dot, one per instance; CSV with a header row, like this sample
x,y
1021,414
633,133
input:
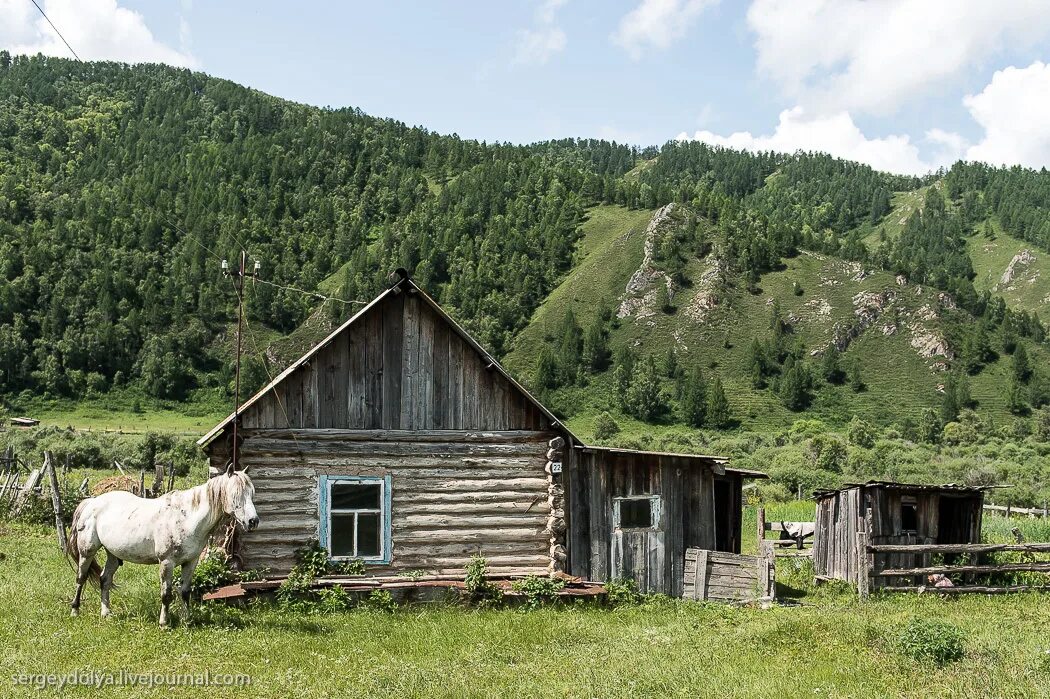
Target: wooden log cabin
x,y
891,513
398,440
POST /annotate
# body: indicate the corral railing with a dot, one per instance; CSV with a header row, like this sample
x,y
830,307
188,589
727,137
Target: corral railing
x,y
874,572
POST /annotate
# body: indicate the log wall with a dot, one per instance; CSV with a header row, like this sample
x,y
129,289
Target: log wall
x,y
454,494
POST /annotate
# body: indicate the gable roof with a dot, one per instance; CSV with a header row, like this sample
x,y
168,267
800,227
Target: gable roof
x,y
407,285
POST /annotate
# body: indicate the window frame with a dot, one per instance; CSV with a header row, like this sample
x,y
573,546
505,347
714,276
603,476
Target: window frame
x,y
910,502
655,513
325,511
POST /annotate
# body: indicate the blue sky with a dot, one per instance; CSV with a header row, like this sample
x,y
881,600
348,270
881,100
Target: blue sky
x,y
903,85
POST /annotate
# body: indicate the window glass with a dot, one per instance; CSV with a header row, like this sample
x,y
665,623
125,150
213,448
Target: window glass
x,y
636,514
368,545
341,535
355,496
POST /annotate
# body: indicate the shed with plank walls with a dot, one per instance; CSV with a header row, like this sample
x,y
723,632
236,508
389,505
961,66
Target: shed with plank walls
x,y
891,513
399,441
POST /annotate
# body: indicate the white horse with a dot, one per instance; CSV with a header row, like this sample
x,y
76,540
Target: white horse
x,y
171,530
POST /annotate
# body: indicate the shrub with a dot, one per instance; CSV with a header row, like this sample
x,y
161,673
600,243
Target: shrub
x,y
538,591
213,572
381,601
930,640
622,592
605,427
861,433
480,590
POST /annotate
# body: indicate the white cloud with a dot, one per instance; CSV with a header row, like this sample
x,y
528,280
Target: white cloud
x,y
96,29
1014,111
861,56
657,24
538,45
836,134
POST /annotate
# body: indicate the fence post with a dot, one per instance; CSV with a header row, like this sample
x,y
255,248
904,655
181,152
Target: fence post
x,y
863,579
56,500
761,526
767,570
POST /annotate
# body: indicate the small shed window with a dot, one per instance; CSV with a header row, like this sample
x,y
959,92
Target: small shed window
x,y
636,512
355,517
909,515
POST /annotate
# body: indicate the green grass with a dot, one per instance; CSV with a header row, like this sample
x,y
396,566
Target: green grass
x,y
831,645
889,228
107,414
1030,288
607,255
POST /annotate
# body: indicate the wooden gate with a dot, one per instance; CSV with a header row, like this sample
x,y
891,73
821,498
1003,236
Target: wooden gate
x,y
729,577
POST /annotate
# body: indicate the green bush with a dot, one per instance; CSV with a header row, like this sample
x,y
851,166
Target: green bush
x,y
930,640
605,427
480,590
538,591
622,592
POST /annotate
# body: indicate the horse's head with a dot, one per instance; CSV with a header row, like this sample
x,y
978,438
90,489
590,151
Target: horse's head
x,y
238,492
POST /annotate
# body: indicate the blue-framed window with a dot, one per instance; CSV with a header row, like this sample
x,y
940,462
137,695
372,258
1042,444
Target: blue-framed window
x,y
355,517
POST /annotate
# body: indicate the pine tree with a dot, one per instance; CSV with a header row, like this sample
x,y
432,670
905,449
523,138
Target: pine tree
x,y
718,414
1016,397
670,363
695,398
794,388
546,375
949,404
1022,367
830,365
596,347
644,400
929,428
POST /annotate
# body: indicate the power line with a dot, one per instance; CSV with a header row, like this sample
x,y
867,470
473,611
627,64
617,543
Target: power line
x,y
310,293
56,29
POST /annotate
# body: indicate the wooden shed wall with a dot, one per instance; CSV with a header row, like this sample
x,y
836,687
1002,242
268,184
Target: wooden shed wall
x,y
454,494
840,514
400,366
655,559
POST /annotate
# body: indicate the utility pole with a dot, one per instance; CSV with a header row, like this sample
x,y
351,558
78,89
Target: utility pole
x,y
238,284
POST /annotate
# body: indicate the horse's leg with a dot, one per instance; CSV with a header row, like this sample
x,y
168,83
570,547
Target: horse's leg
x,y
167,570
186,577
106,581
83,568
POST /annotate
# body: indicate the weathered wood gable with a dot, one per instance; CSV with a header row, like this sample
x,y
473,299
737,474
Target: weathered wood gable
x,y
401,365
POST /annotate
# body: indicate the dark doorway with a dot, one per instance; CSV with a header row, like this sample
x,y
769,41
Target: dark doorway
x,y
725,525
955,520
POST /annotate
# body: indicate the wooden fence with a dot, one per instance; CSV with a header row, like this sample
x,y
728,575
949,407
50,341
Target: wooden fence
x,y
1011,511
913,579
729,577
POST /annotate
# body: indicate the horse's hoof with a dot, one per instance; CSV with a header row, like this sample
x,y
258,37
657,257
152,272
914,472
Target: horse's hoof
x,y
74,612
106,613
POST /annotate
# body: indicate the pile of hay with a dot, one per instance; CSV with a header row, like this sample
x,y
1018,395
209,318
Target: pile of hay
x,y
112,483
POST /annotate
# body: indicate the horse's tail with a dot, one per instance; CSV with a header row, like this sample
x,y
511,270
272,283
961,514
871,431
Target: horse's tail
x,y
73,547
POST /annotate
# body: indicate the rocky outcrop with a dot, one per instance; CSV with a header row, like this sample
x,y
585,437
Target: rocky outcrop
x,y
1020,264
639,299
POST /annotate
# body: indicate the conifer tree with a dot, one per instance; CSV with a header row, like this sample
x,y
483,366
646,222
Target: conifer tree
x,y
695,398
718,414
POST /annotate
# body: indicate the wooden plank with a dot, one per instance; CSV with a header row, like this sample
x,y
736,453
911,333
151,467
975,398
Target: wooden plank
x,y
1043,567
700,584
965,589
410,393
957,548
296,436
393,362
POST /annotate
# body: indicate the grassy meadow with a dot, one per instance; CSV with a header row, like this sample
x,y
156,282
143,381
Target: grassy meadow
x,y
829,644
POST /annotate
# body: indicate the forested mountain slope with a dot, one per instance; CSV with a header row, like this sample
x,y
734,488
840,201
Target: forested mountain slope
x,y
122,187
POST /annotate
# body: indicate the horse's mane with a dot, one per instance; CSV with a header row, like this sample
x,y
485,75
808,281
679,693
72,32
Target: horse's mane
x,y
221,491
